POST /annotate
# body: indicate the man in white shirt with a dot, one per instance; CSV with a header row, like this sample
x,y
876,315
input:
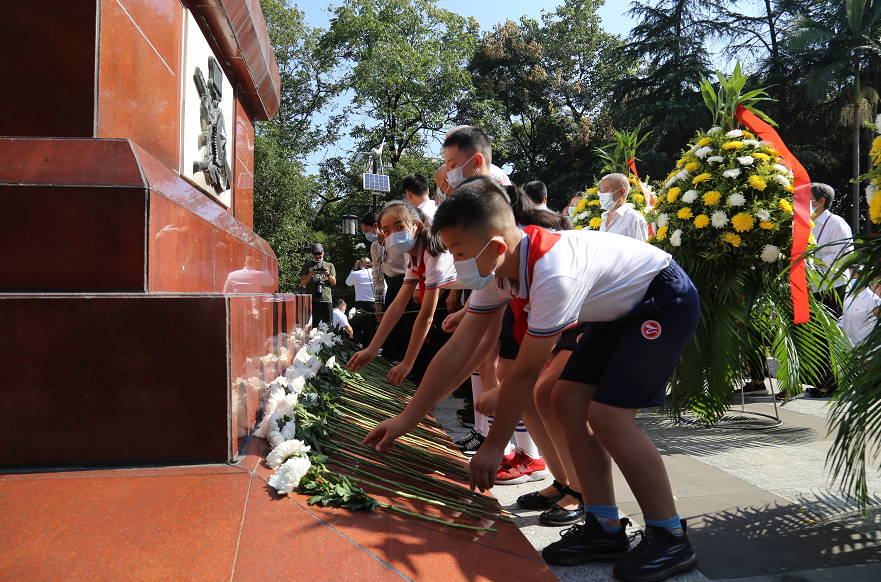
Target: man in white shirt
x,y
861,313
340,321
620,217
416,193
361,278
538,193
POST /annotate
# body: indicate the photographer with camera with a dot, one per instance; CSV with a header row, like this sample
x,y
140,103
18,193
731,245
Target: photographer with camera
x,y
318,276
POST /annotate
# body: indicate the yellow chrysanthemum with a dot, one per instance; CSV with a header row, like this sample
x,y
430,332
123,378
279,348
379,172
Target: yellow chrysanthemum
x,y
732,238
662,233
684,213
582,205
672,193
748,135
632,181
704,141
875,208
701,220
732,145
673,173
680,162
876,151
701,178
711,197
650,239
592,190
595,222
766,225
790,188
656,203
639,197
785,205
811,239
761,156
742,222
757,182
579,227
773,152
690,167
593,203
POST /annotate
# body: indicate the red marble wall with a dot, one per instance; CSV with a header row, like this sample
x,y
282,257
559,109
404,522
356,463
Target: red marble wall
x,y
139,80
243,190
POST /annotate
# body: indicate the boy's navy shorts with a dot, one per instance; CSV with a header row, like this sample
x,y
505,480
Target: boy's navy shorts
x,y
630,360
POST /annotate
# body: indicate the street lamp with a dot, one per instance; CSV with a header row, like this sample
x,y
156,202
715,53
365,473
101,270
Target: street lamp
x,y
350,224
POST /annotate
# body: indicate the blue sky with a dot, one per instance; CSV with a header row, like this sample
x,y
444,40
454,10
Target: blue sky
x,y
487,14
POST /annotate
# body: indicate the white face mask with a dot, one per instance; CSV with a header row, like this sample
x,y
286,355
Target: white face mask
x,y
455,177
469,275
607,199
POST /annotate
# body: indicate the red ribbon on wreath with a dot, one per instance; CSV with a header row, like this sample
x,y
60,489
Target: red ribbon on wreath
x,y
801,218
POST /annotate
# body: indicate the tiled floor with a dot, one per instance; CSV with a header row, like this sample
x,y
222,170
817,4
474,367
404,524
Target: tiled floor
x,y
223,522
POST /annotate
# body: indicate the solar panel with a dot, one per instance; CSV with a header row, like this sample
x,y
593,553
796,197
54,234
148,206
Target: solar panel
x,y
376,183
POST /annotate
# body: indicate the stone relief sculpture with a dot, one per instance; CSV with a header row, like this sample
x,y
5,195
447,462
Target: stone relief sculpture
x,y
212,140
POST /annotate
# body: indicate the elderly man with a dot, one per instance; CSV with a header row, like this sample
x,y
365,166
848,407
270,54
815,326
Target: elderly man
x,y
620,217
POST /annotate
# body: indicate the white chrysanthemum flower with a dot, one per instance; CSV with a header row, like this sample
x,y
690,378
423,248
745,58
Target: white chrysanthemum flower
x,y
310,399
763,214
692,148
298,370
297,385
663,220
285,451
274,437
719,219
770,253
676,238
289,474
732,173
352,312
745,160
751,143
289,430
690,196
313,365
703,151
302,355
670,182
331,362
736,199
682,175
781,179
870,190
268,411
782,169
714,130
715,159
581,216
734,133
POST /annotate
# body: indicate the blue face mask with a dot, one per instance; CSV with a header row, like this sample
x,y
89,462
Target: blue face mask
x,y
572,211
370,236
468,274
400,241
455,176
439,196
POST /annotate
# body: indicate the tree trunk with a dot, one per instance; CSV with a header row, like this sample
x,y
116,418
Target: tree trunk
x,y
855,222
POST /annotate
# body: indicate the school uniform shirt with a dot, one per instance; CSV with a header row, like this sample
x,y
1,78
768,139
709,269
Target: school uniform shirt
x,y
339,319
499,174
428,208
627,221
439,270
362,281
586,276
859,316
831,228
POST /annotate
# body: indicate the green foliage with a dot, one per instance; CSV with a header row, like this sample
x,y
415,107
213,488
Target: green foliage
x,y
724,105
616,156
335,490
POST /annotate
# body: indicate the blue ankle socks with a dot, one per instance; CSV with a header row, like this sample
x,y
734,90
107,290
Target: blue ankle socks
x,y
672,525
607,515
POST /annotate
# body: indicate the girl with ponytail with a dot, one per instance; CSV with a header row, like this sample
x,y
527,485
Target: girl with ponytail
x,y
407,230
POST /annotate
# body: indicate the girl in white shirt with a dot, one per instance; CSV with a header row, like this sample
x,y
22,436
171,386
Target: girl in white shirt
x,y
429,263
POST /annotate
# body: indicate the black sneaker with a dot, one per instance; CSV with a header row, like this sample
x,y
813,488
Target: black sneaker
x,y
466,415
659,554
471,442
587,542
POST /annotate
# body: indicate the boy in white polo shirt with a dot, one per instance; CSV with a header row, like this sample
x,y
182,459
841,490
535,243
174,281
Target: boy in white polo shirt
x,y
637,300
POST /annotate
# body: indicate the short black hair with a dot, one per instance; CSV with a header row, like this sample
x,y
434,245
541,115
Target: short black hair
x,y
537,191
369,219
416,183
470,139
821,190
339,301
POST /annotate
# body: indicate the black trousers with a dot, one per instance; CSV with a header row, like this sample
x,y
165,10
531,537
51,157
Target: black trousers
x,y
364,324
395,346
321,312
832,299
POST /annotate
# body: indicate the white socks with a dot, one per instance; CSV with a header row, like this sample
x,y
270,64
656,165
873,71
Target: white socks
x,y
480,422
525,442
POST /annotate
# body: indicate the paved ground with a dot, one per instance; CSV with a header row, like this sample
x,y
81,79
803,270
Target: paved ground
x,y
759,503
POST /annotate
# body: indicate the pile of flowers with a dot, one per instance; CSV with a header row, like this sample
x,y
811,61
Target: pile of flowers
x,y
874,177
729,201
317,414
588,213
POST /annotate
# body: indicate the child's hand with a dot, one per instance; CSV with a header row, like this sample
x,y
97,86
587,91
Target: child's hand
x,y
397,374
382,437
451,322
360,359
484,466
487,402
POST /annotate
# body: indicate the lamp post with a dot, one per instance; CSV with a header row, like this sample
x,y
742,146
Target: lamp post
x,y
350,224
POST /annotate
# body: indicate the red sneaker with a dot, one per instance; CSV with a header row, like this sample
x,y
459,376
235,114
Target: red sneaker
x,y
521,469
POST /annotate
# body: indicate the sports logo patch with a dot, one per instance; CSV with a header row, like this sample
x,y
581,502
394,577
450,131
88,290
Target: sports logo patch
x,y
651,329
